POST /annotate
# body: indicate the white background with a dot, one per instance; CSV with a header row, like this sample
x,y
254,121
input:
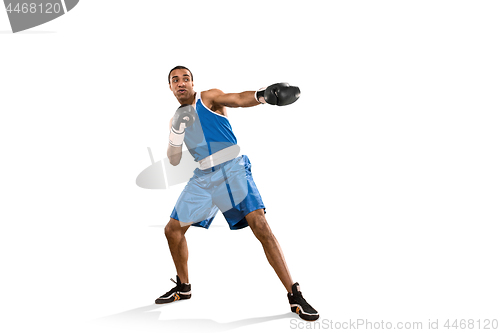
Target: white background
x,y
381,183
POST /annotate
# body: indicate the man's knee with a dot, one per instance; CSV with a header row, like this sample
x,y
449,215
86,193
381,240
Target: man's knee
x,y
260,228
173,229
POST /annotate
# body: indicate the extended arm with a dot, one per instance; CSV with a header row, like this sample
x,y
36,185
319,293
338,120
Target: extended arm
x,y
277,94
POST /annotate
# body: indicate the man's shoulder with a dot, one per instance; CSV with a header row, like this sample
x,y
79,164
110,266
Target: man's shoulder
x,y
211,93
209,97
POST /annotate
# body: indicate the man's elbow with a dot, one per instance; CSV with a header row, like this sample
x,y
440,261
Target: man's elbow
x,y
174,160
174,155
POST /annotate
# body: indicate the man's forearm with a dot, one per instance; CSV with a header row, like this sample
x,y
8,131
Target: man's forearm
x,y
238,100
174,154
248,99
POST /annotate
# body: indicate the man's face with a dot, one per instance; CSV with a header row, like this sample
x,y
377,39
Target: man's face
x,y
181,84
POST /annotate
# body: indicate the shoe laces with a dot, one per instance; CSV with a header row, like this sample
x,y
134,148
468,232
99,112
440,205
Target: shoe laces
x,y
173,289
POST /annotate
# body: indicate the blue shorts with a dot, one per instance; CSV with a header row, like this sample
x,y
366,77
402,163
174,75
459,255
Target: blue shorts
x,y
228,187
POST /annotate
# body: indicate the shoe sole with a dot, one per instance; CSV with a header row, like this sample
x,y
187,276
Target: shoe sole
x,y
173,298
303,315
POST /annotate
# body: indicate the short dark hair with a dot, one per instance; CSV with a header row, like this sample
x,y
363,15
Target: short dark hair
x,y
179,67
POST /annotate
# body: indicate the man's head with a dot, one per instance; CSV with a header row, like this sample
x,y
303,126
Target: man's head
x,y
180,81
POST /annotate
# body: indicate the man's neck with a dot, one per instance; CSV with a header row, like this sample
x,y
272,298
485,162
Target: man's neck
x,y
190,100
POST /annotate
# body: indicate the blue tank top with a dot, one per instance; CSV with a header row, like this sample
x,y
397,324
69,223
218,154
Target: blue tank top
x,y
209,133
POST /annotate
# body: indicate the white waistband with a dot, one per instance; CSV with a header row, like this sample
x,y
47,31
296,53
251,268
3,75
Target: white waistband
x,y
219,157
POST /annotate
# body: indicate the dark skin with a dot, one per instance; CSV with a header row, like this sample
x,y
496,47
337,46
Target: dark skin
x,y
182,86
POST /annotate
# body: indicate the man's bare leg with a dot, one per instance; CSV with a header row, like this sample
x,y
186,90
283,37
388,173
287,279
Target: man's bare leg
x,y
258,223
178,247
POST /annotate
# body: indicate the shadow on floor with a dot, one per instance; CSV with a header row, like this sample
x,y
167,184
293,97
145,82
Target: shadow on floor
x,y
146,318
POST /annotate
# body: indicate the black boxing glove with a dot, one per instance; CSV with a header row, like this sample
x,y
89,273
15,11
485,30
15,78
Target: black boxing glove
x,y
185,114
183,118
278,94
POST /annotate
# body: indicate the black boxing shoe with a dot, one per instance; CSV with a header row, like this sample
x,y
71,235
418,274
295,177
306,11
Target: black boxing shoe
x,y
180,291
299,305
